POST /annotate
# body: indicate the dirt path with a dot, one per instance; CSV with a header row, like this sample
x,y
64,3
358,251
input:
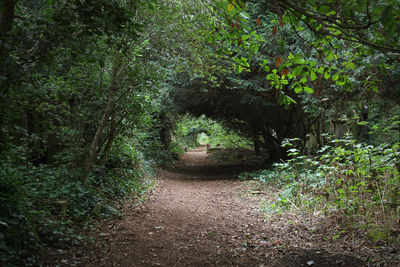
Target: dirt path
x,y
199,215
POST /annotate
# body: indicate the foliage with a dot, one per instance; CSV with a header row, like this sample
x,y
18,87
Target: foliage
x,y
358,180
296,49
47,205
267,63
192,131
75,98
372,23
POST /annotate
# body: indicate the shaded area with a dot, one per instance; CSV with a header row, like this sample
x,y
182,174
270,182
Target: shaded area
x,y
195,165
212,172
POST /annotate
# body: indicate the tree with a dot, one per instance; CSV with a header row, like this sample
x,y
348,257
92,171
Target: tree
x,y
320,73
371,23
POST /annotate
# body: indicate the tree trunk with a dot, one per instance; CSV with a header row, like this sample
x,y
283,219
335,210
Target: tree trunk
x,y
97,137
256,140
117,74
318,133
110,140
270,145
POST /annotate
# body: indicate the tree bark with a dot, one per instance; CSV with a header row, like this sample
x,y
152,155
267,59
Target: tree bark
x,y
97,137
110,140
117,74
270,145
256,140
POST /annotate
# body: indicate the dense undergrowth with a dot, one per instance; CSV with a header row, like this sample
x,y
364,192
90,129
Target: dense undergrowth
x,y
48,205
356,181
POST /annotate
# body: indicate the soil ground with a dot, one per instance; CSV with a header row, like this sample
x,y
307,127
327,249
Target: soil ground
x,y
200,214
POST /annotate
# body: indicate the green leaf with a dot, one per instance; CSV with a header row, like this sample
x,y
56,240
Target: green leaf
x,y
271,76
350,65
298,89
374,88
241,3
335,77
308,89
324,9
313,76
340,83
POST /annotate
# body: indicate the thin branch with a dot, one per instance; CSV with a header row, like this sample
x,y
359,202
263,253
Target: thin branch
x,y
348,36
320,17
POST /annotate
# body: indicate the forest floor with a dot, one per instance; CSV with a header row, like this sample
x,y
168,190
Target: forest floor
x,y
200,214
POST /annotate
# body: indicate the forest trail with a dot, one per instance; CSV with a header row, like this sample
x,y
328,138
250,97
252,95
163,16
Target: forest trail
x,y
200,214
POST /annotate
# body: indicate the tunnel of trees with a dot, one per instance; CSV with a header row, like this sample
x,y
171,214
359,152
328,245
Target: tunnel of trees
x,y
96,94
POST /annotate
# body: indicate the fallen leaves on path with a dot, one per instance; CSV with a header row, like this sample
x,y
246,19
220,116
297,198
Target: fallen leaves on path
x,y
201,215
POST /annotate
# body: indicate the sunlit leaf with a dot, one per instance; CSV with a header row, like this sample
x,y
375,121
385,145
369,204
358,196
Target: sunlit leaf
x,y
313,76
308,89
298,88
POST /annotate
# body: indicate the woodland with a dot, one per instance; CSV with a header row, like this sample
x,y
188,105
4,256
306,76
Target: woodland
x,y
96,96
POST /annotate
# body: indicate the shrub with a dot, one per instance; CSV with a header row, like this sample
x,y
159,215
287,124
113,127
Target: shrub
x,y
49,205
357,179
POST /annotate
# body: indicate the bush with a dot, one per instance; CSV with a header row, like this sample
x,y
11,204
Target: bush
x,y
18,238
49,205
176,150
360,181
